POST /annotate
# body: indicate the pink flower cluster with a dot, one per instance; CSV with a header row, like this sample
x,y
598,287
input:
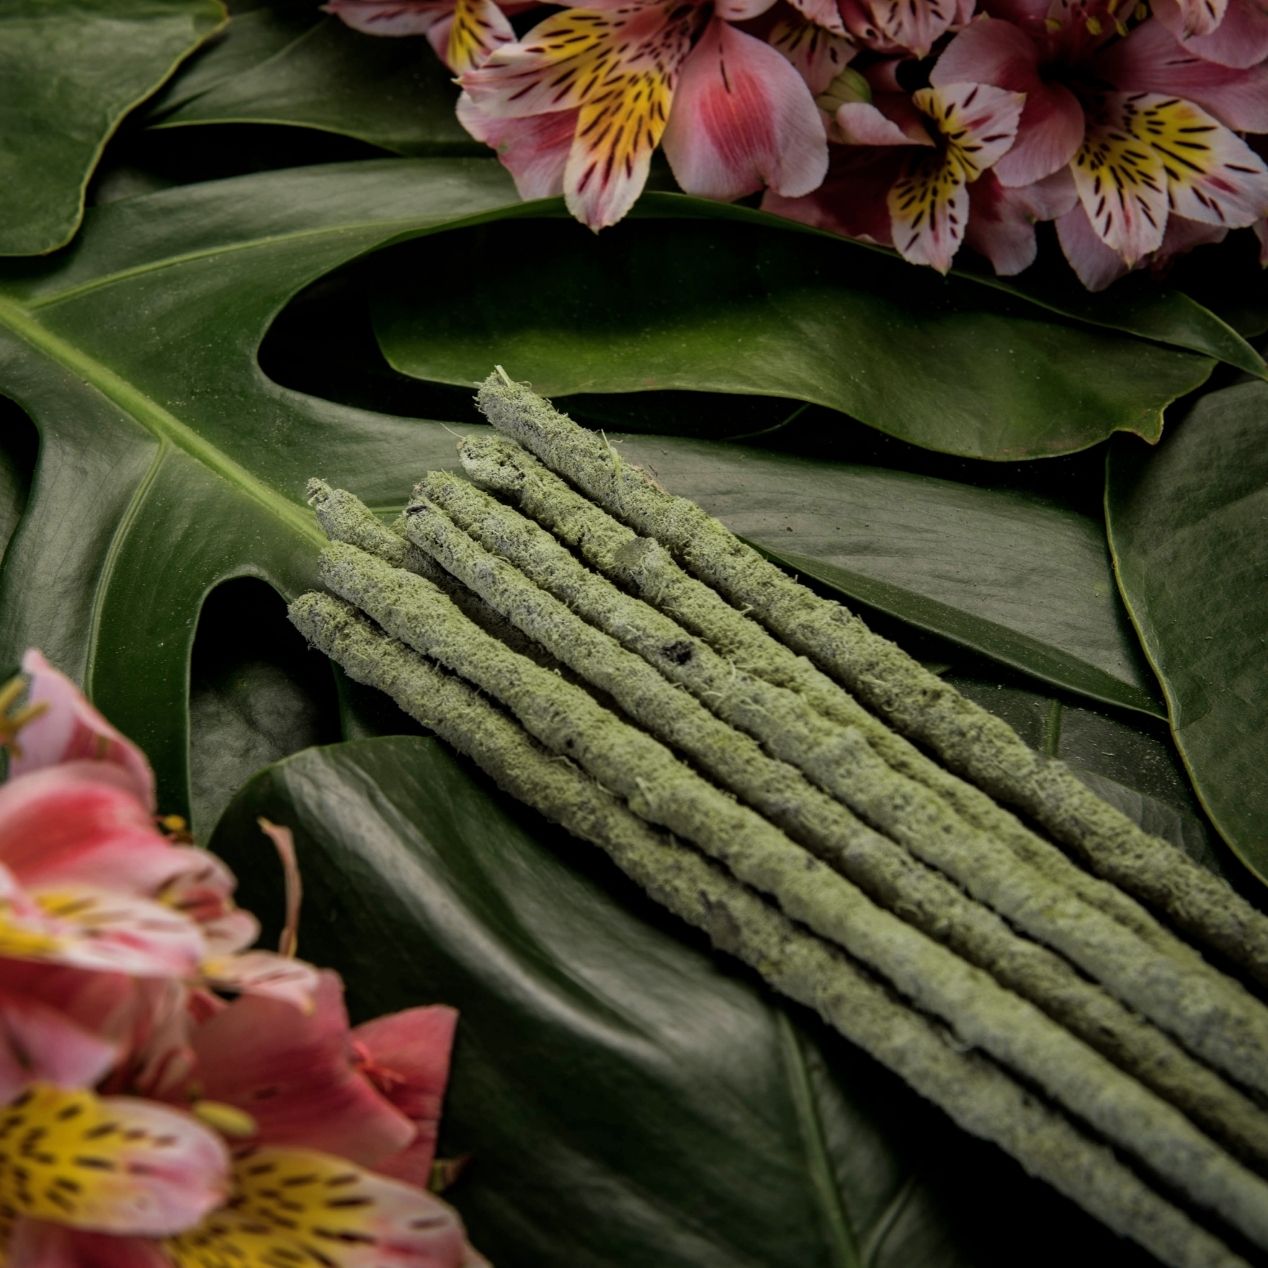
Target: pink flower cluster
x,y
924,125
167,1096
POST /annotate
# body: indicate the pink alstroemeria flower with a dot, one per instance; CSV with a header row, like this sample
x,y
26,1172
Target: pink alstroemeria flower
x,y
461,32
1229,32
1143,129
581,102
930,149
903,26
59,725
118,1166
321,1099
106,926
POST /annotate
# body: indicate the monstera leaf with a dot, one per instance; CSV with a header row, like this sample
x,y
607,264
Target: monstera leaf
x,y
621,1093
948,364
69,72
170,462
290,64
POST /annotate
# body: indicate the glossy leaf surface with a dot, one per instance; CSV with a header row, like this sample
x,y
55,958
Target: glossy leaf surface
x,y
290,64
618,1086
1187,526
943,363
69,72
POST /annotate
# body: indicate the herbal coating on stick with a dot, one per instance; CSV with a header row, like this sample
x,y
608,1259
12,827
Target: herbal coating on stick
x,y
977,1095
345,518
646,568
662,789
967,737
1212,1015
789,729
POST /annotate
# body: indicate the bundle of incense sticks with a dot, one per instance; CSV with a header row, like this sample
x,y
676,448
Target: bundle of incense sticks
x,y
875,845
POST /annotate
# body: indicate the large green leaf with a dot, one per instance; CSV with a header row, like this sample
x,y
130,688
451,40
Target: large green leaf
x,y
1187,527
170,461
721,305
290,64
625,1096
69,72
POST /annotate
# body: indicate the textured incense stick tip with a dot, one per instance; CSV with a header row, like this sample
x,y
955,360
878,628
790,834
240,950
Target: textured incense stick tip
x,y
345,518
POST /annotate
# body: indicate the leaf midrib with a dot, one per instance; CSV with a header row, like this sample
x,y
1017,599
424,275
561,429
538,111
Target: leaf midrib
x,y
225,248
150,415
843,1245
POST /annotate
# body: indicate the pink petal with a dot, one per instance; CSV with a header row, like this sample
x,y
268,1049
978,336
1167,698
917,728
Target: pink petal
x,y
70,729
1031,15
295,1074
1094,262
1224,182
743,10
989,51
1183,236
39,1042
157,1030
264,974
743,119
1121,178
978,122
890,25
619,68
80,825
583,55
388,17
534,150
1201,17
1240,39
929,203
1150,60
406,1057
103,931
851,201
471,34
35,1244
816,54
360,1219
824,14
1048,136
928,215
133,1166
861,123
1002,220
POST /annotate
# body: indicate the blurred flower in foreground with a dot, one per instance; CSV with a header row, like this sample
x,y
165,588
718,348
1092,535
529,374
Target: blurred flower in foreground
x,y
166,1097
